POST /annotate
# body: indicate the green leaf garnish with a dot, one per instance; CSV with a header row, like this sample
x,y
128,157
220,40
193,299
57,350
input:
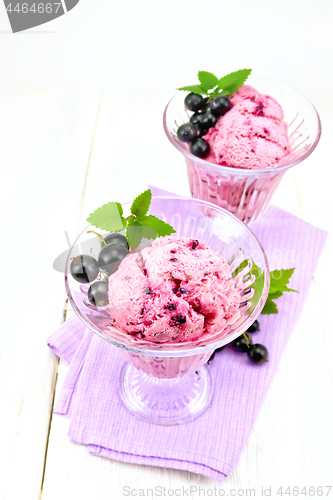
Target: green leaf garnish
x,y
279,280
141,204
138,225
211,86
278,284
108,217
259,282
135,231
231,82
196,89
270,307
208,80
161,227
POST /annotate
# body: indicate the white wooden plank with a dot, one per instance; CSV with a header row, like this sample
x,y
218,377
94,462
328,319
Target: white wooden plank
x,y
45,144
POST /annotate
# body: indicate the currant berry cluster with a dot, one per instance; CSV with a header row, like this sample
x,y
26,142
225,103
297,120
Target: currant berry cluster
x,y
206,114
257,353
85,268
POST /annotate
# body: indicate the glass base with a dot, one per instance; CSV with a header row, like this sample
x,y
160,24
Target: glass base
x,y
166,401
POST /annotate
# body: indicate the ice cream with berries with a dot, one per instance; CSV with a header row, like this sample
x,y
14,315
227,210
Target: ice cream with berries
x,y
234,140
174,290
251,134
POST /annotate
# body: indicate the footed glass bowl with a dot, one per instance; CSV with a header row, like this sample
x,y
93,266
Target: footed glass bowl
x,y
247,192
168,383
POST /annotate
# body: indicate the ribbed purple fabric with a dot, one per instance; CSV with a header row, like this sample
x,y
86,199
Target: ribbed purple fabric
x,y
212,443
63,345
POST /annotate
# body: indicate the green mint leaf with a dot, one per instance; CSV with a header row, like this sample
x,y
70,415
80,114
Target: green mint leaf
x,y
269,307
239,268
231,82
274,295
215,94
208,80
161,227
196,89
258,284
120,208
135,231
279,280
278,284
108,217
141,204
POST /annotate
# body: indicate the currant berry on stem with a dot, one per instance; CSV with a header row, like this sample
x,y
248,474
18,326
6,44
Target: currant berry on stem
x,y
110,257
210,108
194,102
199,147
98,293
222,104
116,239
196,118
188,131
242,343
208,120
254,327
258,354
84,268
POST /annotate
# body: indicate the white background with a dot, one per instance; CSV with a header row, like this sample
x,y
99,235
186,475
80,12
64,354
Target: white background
x,y
149,44
81,105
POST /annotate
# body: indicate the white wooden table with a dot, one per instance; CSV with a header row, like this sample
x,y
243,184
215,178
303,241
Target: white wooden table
x,y
63,153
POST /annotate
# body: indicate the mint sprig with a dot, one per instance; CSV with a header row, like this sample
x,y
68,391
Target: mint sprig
x,y
138,225
211,86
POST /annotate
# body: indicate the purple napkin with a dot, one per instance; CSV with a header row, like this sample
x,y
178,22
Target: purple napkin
x,y
211,444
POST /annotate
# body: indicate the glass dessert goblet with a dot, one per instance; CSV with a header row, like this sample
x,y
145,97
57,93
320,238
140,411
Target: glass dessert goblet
x,y
242,191
169,383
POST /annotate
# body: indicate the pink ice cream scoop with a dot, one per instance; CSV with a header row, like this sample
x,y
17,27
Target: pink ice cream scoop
x,y
175,290
251,135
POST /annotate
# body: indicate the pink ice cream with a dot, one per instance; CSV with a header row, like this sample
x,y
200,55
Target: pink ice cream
x,y
175,290
250,135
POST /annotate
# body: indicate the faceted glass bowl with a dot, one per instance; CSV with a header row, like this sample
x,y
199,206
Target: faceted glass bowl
x,y
167,383
246,192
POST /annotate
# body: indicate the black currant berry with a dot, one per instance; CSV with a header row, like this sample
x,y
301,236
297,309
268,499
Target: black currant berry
x,y
98,294
242,344
110,257
116,239
199,147
222,104
196,118
212,109
208,121
188,131
84,268
194,102
254,327
258,353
